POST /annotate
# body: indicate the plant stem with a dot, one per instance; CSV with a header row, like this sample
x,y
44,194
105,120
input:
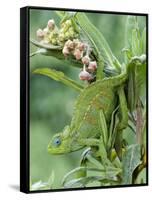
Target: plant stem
x,y
139,121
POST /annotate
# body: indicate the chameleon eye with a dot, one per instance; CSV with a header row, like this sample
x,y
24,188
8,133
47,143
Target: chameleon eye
x,y
56,141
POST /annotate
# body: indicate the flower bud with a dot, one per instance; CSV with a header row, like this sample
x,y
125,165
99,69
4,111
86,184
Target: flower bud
x,y
65,51
71,34
51,24
68,23
85,60
61,37
85,76
70,44
81,46
45,31
92,66
76,42
40,33
54,41
62,31
66,35
78,54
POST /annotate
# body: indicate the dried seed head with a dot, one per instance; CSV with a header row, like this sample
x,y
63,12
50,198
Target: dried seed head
x,y
78,54
92,66
40,33
84,75
85,60
65,51
51,24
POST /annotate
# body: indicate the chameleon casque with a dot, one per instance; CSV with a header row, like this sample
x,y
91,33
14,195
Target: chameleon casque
x,y
84,129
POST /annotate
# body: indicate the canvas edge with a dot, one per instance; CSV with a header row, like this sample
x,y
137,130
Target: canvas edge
x,y
24,99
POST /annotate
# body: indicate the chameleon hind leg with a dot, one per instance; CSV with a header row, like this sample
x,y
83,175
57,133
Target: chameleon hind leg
x,y
123,120
103,139
123,109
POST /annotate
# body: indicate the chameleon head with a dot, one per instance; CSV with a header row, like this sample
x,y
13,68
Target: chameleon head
x,y
62,143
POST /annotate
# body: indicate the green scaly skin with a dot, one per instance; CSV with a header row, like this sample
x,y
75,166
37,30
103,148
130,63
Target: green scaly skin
x,y
84,129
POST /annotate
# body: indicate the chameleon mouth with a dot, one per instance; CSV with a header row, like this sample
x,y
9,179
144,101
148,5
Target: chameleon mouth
x,y
77,149
61,151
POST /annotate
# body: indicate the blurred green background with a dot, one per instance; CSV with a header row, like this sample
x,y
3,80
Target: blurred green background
x,y
51,103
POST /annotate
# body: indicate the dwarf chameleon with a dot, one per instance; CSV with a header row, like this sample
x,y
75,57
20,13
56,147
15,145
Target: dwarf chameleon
x,y
84,130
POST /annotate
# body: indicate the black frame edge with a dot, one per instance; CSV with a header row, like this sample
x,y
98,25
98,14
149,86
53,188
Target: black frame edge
x,y
24,111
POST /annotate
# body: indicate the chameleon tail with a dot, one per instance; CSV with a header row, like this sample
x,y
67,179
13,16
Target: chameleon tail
x,y
121,78
118,80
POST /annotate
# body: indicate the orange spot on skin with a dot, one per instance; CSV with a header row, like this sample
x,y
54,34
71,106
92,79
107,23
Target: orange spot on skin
x,y
90,119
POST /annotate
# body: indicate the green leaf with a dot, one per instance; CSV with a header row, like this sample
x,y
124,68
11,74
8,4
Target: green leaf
x,y
134,40
45,46
39,186
48,52
60,13
95,162
136,48
59,76
77,171
112,129
102,49
143,41
103,127
81,182
58,55
130,161
130,25
51,179
106,174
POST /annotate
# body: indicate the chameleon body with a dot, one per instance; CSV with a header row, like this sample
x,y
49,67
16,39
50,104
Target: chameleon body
x,y
84,129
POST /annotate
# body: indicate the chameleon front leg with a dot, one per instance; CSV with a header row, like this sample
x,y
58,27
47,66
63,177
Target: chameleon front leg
x,y
100,143
101,152
90,142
